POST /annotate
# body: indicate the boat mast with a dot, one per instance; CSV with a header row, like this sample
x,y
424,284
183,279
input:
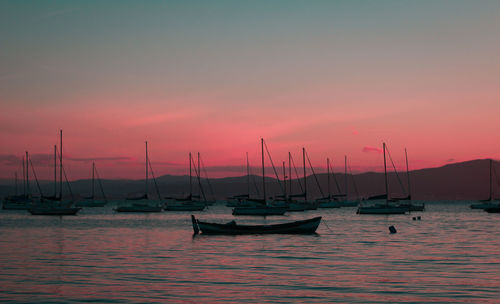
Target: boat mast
x,y
345,177
199,178
93,168
60,165
408,175
55,171
304,164
24,177
27,175
263,171
385,175
328,176
284,179
147,160
491,177
248,177
290,173
190,179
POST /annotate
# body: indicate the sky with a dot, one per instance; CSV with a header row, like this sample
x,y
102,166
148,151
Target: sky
x,y
336,77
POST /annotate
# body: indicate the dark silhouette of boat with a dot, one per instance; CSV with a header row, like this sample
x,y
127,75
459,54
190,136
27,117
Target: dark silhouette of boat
x,y
490,202
263,207
143,203
308,226
55,205
381,208
91,201
407,202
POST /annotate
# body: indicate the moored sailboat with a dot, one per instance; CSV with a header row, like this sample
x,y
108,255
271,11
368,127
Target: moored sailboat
x,y
55,205
92,201
143,203
490,202
22,201
382,208
407,201
192,202
264,208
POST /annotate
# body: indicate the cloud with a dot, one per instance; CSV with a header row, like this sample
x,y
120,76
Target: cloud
x,y
89,159
368,149
450,160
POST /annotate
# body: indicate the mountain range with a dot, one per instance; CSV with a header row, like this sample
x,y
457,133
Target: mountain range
x,y
458,181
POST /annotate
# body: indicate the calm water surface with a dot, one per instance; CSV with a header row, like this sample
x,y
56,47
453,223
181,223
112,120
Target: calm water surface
x,y
451,256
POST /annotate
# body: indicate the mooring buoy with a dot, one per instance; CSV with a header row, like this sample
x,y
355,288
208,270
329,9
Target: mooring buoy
x,y
392,229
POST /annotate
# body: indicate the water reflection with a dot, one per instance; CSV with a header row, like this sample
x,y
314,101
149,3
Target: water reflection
x,y
451,255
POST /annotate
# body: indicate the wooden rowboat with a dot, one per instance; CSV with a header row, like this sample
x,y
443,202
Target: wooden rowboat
x,y
308,226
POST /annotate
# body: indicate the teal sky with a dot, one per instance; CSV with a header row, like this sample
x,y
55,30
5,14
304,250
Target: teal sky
x,y
336,76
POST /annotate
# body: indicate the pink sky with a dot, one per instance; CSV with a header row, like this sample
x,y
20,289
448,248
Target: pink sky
x,y
339,80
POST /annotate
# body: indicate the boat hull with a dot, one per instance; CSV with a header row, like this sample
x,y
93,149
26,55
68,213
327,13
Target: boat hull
x,y
54,210
308,226
259,211
484,206
493,209
381,210
329,204
185,208
138,209
413,207
90,203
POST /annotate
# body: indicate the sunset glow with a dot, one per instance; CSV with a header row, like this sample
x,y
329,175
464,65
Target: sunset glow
x,y
216,78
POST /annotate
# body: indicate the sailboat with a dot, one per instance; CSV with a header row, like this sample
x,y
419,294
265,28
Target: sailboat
x,y
299,205
489,202
381,208
264,207
55,205
346,202
243,200
142,203
188,203
23,201
329,201
91,201
407,203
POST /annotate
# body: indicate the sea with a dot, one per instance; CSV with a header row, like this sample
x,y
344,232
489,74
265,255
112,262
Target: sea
x,y
450,255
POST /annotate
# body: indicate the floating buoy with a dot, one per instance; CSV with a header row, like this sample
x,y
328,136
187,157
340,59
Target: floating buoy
x,y
392,229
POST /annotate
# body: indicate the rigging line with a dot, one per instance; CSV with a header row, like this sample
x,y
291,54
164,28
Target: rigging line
x,y
154,179
353,181
315,177
36,178
67,181
296,175
254,182
208,179
274,168
396,171
335,179
199,180
100,184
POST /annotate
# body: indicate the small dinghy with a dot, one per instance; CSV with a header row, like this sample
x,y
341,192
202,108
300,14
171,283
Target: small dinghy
x,y
308,226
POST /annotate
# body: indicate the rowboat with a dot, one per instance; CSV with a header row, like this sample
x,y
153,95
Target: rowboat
x,y
308,226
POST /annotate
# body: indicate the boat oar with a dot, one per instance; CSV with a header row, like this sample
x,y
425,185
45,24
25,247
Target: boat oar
x,y
195,224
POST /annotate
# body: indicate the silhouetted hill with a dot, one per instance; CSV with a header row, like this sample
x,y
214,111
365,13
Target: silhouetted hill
x,y
466,180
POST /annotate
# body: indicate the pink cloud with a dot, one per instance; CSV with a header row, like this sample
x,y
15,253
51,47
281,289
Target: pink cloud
x,y
368,149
